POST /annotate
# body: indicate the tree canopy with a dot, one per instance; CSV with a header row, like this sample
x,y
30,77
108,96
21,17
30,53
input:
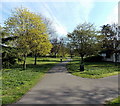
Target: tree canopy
x,y
31,32
110,40
84,39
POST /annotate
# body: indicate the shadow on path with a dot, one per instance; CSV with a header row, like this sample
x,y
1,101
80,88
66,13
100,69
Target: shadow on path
x,y
59,87
72,96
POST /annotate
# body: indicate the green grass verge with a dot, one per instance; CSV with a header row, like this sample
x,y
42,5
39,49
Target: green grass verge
x,y
114,101
93,69
16,82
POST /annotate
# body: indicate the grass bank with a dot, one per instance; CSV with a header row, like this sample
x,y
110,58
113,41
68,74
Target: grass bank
x,y
16,82
93,69
114,101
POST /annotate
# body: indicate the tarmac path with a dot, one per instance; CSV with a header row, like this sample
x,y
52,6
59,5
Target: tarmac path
x,y
60,87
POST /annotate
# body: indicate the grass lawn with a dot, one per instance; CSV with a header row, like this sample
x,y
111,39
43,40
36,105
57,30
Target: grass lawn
x,y
16,82
93,69
114,101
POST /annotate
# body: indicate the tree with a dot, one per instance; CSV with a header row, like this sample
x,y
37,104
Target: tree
x,y
84,41
30,29
41,45
50,28
111,41
9,53
63,50
70,49
56,46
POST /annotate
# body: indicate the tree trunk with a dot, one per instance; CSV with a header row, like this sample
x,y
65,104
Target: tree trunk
x,y
115,59
81,59
35,62
70,53
24,63
55,55
81,64
71,56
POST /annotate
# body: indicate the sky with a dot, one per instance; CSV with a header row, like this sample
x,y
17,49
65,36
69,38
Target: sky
x,y
66,14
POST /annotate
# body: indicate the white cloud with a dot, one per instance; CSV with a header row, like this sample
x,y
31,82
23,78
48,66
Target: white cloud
x,y
81,14
58,0
58,26
113,16
46,12
60,29
85,8
119,14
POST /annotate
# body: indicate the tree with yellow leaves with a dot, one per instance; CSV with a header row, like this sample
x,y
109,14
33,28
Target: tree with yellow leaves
x,y
41,45
31,32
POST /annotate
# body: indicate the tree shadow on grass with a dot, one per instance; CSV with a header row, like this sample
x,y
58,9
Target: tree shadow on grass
x,y
103,63
35,68
44,67
40,67
45,60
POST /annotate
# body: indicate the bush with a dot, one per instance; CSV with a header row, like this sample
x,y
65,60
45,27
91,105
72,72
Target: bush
x,y
94,59
8,60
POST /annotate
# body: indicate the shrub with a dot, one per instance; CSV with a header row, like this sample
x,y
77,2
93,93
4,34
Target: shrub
x,y
8,60
96,58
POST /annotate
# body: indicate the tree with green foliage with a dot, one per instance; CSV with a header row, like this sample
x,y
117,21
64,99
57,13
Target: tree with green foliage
x,y
70,49
56,46
84,40
110,40
63,50
9,53
31,32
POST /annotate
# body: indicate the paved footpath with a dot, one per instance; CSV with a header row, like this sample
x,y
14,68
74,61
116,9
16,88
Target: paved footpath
x,y
60,87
